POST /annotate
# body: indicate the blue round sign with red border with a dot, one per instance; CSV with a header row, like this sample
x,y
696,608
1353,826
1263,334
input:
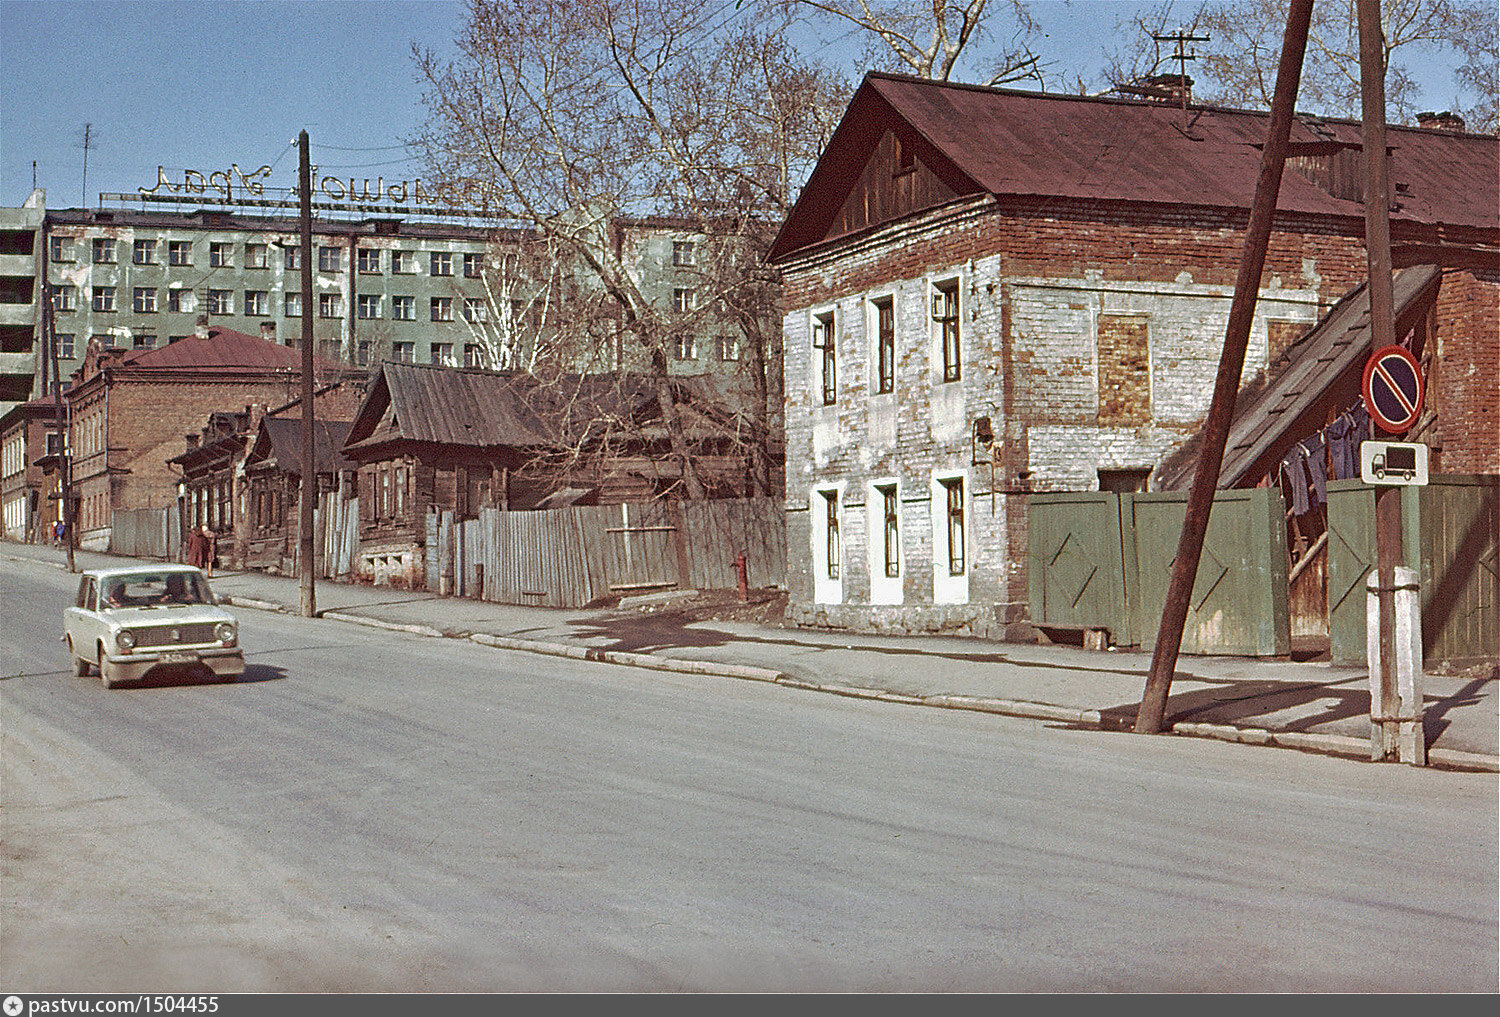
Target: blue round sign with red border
x,y
1393,389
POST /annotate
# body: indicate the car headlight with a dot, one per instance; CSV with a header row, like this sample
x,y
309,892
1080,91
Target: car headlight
x,y
125,640
225,633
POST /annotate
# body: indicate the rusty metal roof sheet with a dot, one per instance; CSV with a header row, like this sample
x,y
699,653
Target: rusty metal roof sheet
x,y
224,349
280,439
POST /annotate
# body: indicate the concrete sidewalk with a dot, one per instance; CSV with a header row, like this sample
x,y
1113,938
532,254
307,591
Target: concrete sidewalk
x,y
1309,706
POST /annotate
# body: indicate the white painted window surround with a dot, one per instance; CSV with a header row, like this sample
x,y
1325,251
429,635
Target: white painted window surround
x,y
948,586
827,570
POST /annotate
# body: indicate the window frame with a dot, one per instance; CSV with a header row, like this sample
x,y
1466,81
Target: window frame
x,y
367,260
473,265
102,299
825,338
180,253
60,249
143,251
400,347
440,309
330,306
104,252
367,306
441,264
143,299
220,254
947,314
883,310
400,303
291,303
257,303
220,302
330,258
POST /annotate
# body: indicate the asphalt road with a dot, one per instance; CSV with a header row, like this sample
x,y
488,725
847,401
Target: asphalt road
x,y
371,811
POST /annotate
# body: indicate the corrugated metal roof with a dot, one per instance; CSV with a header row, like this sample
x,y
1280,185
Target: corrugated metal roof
x,y
280,438
224,350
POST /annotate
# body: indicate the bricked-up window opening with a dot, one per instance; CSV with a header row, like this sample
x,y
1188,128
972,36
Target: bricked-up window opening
x,y
885,345
179,252
945,313
831,515
143,252
1124,370
954,489
104,251
892,529
145,300
824,340
220,255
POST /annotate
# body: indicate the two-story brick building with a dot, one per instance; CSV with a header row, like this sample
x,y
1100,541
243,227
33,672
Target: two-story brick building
x,y
992,293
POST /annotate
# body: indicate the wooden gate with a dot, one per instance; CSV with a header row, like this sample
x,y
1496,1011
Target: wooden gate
x,y
643,549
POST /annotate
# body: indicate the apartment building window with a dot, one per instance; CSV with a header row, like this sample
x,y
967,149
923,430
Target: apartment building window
x,y
65,297
404,353
684,300
683,253
220,301
953,491
404,308
60,249
330,259
179,252
362,352
257,302
144,341
182,301
104,298
824,342
831,532
144,300
473,355
891,518
945,313
727,347
143,252
330,305
104,251
65,345
220,255
257,256
442,355
367,261
475,309
369,306
885,345
291,258
293,304
442,263
403,263
684,347
472,264
442,308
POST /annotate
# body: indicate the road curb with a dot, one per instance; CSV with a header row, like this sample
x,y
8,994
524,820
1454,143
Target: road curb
x,y
1323,744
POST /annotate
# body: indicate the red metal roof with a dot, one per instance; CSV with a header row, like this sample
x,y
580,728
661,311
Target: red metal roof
x,y
224,349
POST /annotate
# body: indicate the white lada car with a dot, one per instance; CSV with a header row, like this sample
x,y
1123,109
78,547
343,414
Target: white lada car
x,y
131,619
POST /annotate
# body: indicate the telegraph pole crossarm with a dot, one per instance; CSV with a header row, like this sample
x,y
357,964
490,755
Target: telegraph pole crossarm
x,y
1150,718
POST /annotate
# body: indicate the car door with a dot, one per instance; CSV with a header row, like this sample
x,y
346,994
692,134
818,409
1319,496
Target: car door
x,y
81,621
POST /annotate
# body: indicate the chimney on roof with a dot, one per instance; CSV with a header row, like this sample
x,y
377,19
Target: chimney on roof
x,y
1444,121
1176,89
201,328
268,331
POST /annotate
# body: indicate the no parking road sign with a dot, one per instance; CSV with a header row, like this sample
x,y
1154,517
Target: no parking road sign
x,y
1393,389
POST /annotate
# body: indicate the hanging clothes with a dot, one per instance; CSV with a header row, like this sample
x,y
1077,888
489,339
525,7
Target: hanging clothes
x,y
1343,448
1296,473
1317,467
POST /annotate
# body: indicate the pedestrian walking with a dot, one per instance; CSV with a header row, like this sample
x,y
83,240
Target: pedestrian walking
x,y
59,531
200,549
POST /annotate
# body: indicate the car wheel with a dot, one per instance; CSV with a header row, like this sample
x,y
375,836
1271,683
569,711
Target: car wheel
x,y
80,666
105,671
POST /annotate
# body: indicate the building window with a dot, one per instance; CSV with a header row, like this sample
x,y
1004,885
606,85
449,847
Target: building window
x,y
367,261
144,341
104,298
885,345
257,256
684,300
60,248
945,313
65,345
257,302
104,251
684,347
330,305
291,258
683,253
892,528
145,300
65,297
824,341
831,533
442,263
727,347
293,304
442,354
442,308
472,264
953,490
475,309
220,255
179,252
404,353
473,355
369,305
143,252
404,308
220,301
182,301
330,259
362,352
403,263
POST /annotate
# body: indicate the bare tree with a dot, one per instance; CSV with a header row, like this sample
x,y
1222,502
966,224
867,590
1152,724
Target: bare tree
x,y
930,39
1238,63
569,116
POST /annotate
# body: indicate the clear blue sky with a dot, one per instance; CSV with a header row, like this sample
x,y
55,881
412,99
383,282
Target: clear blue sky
x,y
200,85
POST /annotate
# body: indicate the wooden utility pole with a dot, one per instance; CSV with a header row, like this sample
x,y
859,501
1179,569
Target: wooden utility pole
x,y
1152,713
309,474
64,470
1383,737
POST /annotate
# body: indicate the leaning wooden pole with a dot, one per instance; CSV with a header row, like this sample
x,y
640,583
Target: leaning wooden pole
x,y
309,472
1152,713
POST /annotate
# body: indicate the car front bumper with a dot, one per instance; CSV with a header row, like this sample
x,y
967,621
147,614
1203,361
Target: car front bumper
x,y
224,662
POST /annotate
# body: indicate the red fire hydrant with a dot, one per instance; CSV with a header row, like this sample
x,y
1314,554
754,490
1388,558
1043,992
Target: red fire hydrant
x,y
742,568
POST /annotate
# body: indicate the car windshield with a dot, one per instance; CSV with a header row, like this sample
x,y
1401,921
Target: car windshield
x,y
153,589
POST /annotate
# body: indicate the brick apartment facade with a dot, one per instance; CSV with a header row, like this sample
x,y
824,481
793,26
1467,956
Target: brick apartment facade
x,y
995,293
